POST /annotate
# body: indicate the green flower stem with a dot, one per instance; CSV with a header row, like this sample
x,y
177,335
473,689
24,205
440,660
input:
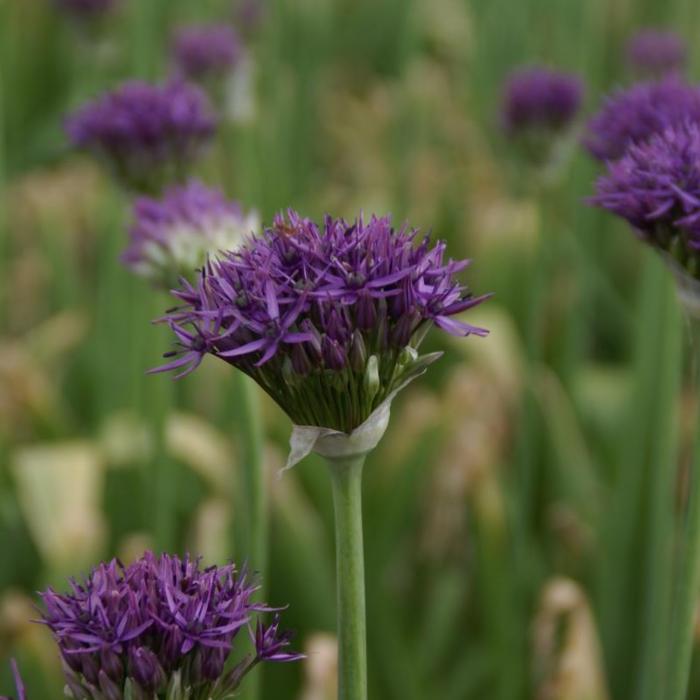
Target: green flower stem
x,y
346,479
250,440
688,576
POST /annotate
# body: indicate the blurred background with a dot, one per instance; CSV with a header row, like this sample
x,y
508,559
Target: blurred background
x,y
505,510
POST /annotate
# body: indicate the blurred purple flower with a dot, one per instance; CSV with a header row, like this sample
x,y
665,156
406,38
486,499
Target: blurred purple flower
x,y
656,53
86,9
655,186
326,319
632,116
19,685
249,14
540,99
158,622
148,134
174,235
206,51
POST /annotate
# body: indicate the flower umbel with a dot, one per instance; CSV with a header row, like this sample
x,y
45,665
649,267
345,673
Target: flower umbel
x,y
326,319
162,627
632,116
541,99
149,135
174,235
206,51
655,186
655,53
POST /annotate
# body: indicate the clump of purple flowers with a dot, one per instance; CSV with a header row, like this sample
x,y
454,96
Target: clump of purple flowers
x,y
632,116
174,235
149,135
161,628
86,9
656,53
207,51
540,99
326,319
655,186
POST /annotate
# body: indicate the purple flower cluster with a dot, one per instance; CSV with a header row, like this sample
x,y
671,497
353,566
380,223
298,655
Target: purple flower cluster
x,y
148,134
655,186
540,99
656,53
327,320
174,235
85,9
206,51
632,116
162,624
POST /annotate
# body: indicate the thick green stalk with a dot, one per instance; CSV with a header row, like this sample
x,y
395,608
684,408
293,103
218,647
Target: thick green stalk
x,y
250,437
688,570
346,479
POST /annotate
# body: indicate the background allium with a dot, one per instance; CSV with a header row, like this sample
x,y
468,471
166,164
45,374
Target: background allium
x,y
656,187
86,9
326,319
206,51
632,116
656,53
148,134
540,99
163,625
173,236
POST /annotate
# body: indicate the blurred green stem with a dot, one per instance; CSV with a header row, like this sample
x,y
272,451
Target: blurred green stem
x,y
251,443
346,479
688,576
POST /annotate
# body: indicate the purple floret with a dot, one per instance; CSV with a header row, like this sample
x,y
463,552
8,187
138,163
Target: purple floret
x,y
303,308
19,684
149,134
657,53
655,186
541,99
632,116
204,51
155,619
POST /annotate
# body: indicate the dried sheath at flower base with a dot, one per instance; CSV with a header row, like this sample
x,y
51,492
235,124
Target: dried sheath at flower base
x,y
163,628
327,320
148,135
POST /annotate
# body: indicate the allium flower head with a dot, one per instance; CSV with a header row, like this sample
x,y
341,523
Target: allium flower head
x,y
148,134
632,116
162,627
326,319
206,51
174,235
655,186
86,9
656,53
540,99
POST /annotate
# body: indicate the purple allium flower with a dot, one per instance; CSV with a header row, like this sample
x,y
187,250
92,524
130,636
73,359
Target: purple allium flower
x,y
174,235
249,14
632,116
655,186
656,53
86,9
22,694
327,319
160,624
206,51
540,99
148,134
